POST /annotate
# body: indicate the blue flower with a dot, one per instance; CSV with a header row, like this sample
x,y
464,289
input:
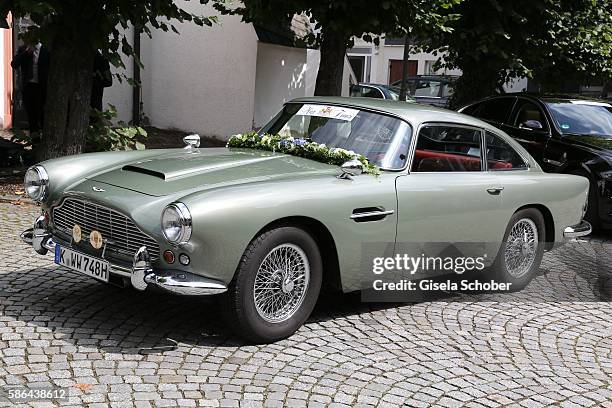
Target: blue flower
x,y
300,142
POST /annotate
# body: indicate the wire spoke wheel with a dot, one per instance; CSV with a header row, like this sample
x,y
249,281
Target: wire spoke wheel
x,y
521,248
281,283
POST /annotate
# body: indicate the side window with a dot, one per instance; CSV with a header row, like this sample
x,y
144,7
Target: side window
x,y
447,90
528,111
428,88
371,92
501,156
446,148
496,110
356,91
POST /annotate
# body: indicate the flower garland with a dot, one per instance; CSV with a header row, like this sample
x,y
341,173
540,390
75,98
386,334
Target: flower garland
x,y
302,148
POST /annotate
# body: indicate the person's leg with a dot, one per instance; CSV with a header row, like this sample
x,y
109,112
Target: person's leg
x,y
29,102
38,106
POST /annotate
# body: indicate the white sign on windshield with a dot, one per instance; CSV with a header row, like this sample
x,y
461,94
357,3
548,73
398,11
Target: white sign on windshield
x,y
326,111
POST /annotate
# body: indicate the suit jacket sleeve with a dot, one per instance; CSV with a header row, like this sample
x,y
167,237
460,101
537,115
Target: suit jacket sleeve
x,y
18,59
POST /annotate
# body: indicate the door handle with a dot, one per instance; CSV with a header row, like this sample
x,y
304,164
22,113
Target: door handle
x,y
370,214
495,190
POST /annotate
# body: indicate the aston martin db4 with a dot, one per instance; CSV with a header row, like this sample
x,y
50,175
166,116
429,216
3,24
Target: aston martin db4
x,y
265,227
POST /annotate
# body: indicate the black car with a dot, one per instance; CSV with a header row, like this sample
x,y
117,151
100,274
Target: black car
x,y
378,91
430,89
564,134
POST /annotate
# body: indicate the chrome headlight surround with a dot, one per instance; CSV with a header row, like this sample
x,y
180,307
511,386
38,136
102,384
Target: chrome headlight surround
x,y
176,223
36,183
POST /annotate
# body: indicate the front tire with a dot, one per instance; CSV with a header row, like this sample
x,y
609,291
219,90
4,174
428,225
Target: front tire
x,y
276,285
522,249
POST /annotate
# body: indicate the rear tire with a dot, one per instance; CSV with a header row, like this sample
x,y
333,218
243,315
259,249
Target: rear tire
x,y
520,255
276,285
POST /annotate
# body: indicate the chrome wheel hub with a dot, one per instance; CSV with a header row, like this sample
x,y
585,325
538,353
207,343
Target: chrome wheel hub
x,y
521,247
281,283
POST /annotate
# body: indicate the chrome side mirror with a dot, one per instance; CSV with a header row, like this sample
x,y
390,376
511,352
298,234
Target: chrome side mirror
x,y
192,141
532,125
351,168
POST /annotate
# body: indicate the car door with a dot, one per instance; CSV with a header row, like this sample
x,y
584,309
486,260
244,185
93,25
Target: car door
x,y
523,126
512,173
448,197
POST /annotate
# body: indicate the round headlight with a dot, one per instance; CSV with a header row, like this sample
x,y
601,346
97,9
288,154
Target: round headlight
x,y
36,183
176,223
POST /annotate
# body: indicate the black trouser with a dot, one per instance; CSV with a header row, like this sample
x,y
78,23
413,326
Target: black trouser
x,y
33,100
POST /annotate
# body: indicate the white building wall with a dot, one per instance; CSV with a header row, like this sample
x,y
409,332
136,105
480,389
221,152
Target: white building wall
x,y
120,94
202,80
383,53
280,77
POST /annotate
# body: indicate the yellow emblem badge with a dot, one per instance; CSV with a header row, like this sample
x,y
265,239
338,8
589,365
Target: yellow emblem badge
x,y
95,238
76,233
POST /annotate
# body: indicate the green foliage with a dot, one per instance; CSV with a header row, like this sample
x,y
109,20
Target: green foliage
x,y
347,18
102,136
553,41
302,148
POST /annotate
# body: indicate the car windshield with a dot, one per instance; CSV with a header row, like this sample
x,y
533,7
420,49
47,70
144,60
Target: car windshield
x,y
584,118
383,139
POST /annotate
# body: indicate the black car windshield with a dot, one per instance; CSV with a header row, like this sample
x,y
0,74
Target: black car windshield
x,y
584,118
383,139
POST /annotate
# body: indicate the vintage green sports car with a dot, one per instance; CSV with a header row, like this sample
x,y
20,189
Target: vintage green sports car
x,y
268,228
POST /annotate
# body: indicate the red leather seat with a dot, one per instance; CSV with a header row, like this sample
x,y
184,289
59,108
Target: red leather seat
x,y
427,160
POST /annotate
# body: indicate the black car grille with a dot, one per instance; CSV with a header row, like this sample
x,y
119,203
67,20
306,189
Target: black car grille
x,y
123,238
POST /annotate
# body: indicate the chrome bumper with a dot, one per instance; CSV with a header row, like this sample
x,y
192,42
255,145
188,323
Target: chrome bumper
x,y
142,274
578,230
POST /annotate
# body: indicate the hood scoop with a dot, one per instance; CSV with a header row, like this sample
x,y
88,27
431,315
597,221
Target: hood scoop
x,y
142,170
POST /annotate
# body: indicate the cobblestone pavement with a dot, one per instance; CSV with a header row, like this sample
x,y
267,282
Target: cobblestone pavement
x,y
548,345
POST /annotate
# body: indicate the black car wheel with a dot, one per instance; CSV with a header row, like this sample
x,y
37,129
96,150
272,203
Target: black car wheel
x,y
522,249
276,285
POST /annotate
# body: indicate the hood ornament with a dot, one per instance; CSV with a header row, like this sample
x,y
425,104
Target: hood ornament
x,y
192,142
98,189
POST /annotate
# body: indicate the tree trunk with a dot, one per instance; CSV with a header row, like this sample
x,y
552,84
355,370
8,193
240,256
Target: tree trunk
x,y
331,67
405,58
67,105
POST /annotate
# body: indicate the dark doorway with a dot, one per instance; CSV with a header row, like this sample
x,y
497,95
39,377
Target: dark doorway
x,y
358,65
395,69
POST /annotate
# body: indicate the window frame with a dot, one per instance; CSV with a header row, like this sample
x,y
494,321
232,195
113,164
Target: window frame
x,y
272,121
415,141
539,105
486,161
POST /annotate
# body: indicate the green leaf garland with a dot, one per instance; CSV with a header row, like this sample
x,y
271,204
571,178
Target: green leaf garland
x,y
301,148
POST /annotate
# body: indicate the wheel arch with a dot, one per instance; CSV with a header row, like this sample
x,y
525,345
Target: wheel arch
x,y
549,223
324,240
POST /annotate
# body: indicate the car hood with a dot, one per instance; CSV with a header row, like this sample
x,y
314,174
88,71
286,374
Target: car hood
x,y
202,169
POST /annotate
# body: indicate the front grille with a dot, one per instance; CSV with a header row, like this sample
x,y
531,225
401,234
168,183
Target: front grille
x,y
122,235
